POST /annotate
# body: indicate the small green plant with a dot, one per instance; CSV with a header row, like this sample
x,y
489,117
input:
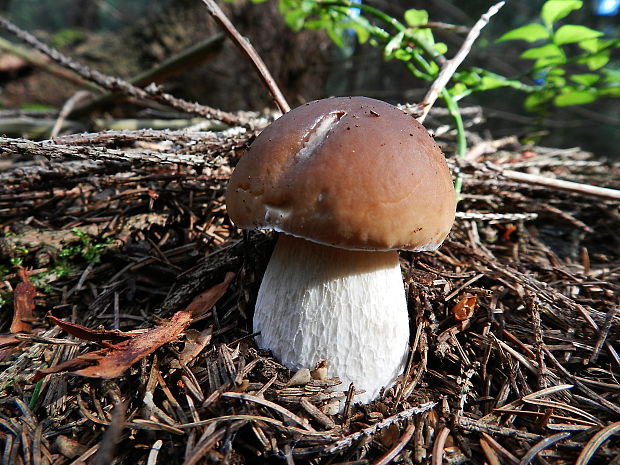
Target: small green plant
x,y
88,248
568,60
571,63
69,260
67,37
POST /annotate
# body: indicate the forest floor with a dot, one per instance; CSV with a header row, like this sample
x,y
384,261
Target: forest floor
x,y
127,299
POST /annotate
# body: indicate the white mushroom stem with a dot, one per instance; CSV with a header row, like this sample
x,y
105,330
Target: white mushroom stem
x,y
348,307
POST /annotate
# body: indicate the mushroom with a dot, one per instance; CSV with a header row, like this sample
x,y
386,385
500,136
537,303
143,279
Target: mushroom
x,y
347,181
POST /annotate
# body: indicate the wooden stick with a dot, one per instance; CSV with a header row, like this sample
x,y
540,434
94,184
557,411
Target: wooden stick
x,y
172,66
67,108
450,66
116,84
246,47
569,186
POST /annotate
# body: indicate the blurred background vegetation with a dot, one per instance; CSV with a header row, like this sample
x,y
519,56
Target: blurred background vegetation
x,y
127,37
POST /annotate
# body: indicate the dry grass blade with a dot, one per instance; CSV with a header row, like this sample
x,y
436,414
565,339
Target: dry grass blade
x,y
489,452
546,443
278,408
111,438
438,446
597,441
399,446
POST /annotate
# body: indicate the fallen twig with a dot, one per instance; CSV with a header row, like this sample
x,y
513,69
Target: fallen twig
x,y
450,66
116,84
569,186
370,431
246,47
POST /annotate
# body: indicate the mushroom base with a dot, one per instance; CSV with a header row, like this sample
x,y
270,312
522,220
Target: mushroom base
x,y
348,307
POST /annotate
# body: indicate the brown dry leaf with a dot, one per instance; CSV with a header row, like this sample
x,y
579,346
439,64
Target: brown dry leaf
x,y
196,342
202,303
114,360
87,334
23,298
464,308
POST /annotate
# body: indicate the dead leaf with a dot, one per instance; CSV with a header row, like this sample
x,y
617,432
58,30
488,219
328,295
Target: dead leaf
x,y
202,303
87,334
389,435
464,308
196,342
300,378
114,360
23,298
320,370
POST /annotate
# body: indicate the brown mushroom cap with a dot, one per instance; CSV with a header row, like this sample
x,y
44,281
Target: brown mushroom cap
x,y
351,172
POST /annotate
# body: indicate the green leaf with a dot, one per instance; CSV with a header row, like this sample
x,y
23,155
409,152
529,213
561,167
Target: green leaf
x,y
556,71
458,88
468,77
590,45
554,10
574,97
557,81
393,45
549,62
546,51
610,91
586,79
492,82
337,33
534,101
361,29
402,55
441,48
415,17
295,12
530,32
597,61
611,75
571,33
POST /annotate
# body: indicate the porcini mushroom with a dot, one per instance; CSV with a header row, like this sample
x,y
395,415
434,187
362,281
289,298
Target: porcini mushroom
x,y
347,181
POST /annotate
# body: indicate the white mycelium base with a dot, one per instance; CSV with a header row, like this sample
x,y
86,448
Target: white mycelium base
x,y
348,307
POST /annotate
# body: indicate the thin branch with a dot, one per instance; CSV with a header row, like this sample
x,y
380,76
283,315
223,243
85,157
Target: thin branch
x,y
43,63
448,69
67,108
218,143
246,47
116,84
172,66
569,186
370,431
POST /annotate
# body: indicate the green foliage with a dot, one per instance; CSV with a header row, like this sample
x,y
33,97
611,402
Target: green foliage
x,y
67,37
529,32
69,260
88,248
570,62
559,67
554,10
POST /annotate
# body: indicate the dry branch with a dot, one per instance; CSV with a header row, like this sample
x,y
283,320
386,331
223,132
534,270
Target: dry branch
x,y
116,84
450,66
246,47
